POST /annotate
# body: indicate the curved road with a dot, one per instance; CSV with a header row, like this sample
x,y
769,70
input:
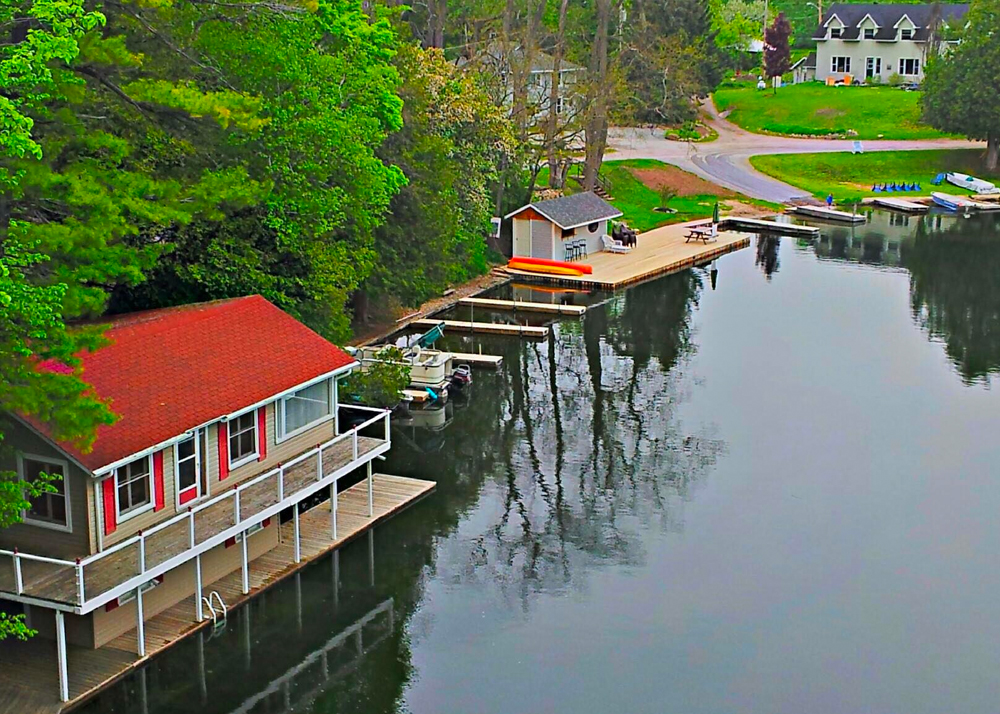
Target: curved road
x,y
726,161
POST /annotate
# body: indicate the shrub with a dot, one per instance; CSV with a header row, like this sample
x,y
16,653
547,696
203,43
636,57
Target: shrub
x,y
666,194
895,80
381,384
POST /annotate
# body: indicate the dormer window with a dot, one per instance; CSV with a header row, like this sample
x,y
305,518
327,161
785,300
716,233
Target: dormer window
x,y
906,34
836,32
869,33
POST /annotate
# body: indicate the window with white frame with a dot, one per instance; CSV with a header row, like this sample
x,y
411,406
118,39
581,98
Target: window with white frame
x,y
134,486
559,105
49,509
836,32
840,64
189,466
242,438
145,587
305,408
869,33
906,34
909,67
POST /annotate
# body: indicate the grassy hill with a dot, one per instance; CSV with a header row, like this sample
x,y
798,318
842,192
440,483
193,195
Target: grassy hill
x,y
804,18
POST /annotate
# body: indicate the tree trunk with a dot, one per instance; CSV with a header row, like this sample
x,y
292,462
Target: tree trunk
x,y
552,128
597,123
992,151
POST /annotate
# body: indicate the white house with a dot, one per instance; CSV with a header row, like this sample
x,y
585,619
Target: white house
x,y
545,229
873,42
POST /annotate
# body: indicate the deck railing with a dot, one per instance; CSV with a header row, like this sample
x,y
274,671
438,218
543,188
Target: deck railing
x,y
90,582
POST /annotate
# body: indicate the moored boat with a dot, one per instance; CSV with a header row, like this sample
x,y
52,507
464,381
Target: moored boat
x,y
971,183
951,202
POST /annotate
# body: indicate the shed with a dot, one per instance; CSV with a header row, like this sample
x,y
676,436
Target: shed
x,y
544,229
805,69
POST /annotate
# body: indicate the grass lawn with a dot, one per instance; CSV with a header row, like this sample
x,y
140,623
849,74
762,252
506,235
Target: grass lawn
x,y
815,109
850,177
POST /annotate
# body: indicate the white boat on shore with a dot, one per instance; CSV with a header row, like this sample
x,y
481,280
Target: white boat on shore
x,y
971,183
952,202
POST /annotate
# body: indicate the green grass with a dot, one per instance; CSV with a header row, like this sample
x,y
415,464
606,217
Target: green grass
x,y
850,177
815,109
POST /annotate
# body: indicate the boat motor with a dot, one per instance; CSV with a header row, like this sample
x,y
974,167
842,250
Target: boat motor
x,y
461,377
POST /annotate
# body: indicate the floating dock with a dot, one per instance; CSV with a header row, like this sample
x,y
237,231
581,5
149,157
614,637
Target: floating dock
x,y
900,204
489,328
522,306
984,206
830,214
658,252
474,360
774,227
28,679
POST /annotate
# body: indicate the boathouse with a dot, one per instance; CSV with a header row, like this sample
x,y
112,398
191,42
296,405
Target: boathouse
x,y
561,228
228,423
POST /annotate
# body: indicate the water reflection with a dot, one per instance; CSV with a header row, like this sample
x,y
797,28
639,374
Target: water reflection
x,y
953,263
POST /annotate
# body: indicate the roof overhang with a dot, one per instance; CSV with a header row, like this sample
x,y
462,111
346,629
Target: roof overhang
x,y
869,17
907,18
532,206
108,468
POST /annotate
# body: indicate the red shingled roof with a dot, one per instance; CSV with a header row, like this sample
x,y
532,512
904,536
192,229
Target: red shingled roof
x,y
167,371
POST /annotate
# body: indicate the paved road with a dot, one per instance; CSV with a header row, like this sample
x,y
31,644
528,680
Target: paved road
x,y
726,160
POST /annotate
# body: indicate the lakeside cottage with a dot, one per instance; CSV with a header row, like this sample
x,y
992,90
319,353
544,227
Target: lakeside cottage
x,y
547,229
873,42
228,423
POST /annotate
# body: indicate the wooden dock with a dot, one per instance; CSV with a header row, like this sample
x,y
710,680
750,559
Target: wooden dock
x,y
489,328
28,670
900,204
474,360
658,252
774,227
829,214
522,306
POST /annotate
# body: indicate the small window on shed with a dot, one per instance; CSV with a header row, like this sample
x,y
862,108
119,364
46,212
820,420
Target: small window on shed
x,y
593,227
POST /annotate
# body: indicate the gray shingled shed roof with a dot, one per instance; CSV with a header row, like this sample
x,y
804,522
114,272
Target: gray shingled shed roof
x,y
574,211
886,17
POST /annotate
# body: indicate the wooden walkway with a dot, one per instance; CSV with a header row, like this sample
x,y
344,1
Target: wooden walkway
x,y
658,252
550,308
28,676
490,328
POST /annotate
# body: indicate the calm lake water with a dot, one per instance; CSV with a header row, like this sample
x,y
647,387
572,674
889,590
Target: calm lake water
x,y
777,495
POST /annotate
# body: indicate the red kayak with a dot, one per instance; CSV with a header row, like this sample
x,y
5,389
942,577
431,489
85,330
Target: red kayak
x,y
585,269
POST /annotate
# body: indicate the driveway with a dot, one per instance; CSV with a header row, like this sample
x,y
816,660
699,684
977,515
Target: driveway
x,y
726,161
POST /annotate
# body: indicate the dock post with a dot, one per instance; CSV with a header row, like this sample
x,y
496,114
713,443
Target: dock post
x,y
202,679
61,656
371,498
140,624
298,543
371,555
333,509
298,600
198,607
246,565
336,578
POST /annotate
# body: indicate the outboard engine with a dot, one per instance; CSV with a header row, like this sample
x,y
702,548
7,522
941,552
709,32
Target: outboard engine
x,y
462,377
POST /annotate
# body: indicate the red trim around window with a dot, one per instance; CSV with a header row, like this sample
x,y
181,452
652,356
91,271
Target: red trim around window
x,y
223,450
262,433
110,512
158,488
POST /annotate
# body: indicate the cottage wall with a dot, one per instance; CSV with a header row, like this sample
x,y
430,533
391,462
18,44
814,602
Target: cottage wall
x,y
860,50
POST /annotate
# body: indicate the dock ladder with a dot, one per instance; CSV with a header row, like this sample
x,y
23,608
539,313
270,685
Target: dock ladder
x,y
218,614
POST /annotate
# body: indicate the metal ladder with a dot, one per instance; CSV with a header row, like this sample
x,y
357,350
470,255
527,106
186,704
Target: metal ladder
x,y
218,623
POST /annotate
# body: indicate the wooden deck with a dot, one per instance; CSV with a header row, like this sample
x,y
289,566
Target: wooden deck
x,y
489,328
59,584
550,308
28,670
658,252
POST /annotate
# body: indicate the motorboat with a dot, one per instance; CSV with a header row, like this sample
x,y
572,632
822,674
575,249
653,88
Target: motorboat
x,y
971,183
428,368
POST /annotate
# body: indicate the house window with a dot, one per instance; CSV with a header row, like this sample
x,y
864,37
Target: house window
x,y
130,595
593,227
841,64
559,105
189,466
49,509
305,408
835,32
134,485
869,33
906,34
242,438
909,67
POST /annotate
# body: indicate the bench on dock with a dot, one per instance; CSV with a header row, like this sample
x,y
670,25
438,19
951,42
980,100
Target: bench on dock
x,y
702,233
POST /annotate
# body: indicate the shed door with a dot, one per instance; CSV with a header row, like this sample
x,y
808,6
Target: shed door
x,y
541,239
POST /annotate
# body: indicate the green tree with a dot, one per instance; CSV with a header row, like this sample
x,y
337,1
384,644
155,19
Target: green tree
x,y
962,87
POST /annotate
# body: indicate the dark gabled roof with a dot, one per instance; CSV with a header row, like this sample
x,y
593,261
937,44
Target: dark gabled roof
x,y
886,17
573,211
809,62
167,371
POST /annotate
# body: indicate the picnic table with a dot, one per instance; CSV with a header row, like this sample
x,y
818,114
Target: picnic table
x,y
702,233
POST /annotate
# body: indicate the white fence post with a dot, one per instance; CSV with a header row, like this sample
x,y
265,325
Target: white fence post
x,y
140,623
354,438
333,509
237,507
18,578
371,499
198,589
246,566
61,656
281,483
79,581
319,462
191,526
142,552
298,546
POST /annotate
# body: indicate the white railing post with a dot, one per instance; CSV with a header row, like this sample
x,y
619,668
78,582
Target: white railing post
x,y
18,578
246,566
142,552
79,581
237,507
298,544
191,527
140,624
281,483
61,656
371,498
354,438
319,462
198,589
333,509
387,432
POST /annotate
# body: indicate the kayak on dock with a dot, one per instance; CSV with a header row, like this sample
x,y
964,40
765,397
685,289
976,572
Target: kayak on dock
x,y
549,267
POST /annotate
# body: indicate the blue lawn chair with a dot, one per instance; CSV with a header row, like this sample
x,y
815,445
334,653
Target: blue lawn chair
x,y
876,189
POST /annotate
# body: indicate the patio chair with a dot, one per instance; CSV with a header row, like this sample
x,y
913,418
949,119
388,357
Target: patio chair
x,y
612,246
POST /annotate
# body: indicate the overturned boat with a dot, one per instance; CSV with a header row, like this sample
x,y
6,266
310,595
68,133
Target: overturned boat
x,y
971,183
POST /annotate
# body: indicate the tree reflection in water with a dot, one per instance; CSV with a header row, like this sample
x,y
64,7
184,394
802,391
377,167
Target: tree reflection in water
x,y
767,254
953,263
